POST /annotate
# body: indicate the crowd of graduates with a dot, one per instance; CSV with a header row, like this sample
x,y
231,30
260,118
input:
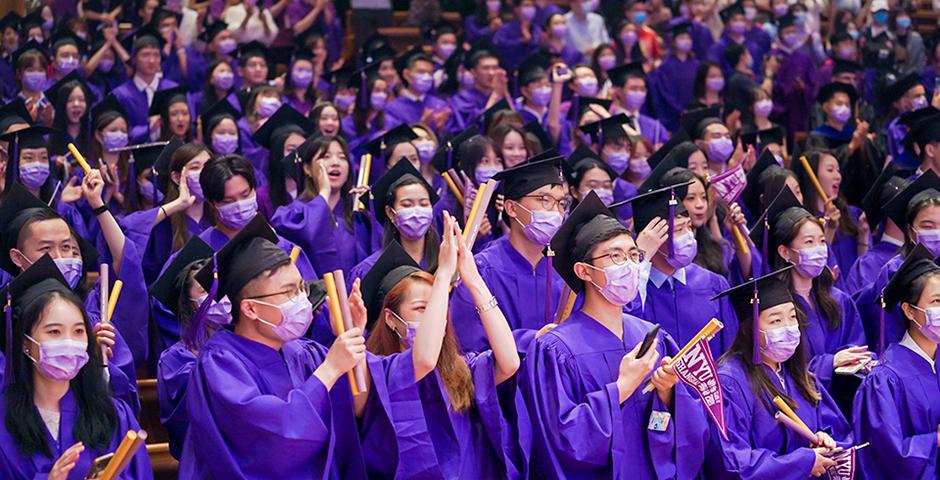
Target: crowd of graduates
x,y
479,256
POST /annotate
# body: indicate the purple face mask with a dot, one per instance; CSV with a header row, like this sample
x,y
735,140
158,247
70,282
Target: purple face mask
x,y
607,62
237,214
527,13
34,81
930,239
542,226
763,107
224,80
715,84
635,99
720,149
195,188
343,102
780,343
841,113
60,360
378,100
422,82
413,222
66,64
684,250
115,139
485,173
228,45
301,77
267,106
623,282
446,50
225,143
411,330
812,260
587,86
541,96
931,326
296,315
619,161
219,313
71,269
33,175
559,30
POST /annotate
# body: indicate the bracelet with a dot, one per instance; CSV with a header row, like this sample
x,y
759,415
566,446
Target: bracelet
x,y
100,210
165,215
487,306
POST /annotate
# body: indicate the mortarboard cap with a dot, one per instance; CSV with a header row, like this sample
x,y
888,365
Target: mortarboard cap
x,y
14,112
610,128
619,74
753,189
169,287
726,13
580,158
382,146
751,298
252,49
109,103
215,114
530,176
900,87
925,131
26,47
30,137
679,141
588,103
886,186
696,121
10,20
829,90
533,68
212,30
919,261
53,92
393,266
285,120
389,181
925,186
680,27
161,167
251,252
840,66
535,128
581,231
162,99
781,214
662,203
64,36
448,153
145,36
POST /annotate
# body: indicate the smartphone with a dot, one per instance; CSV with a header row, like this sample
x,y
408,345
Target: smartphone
x,y
648,341
317,293
560,71
100,464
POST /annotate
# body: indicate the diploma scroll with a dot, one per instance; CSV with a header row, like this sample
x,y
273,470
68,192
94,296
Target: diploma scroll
x,y
478,212
365,165
336,318
452,184
814,179
799,428
79,158
356,376
103,285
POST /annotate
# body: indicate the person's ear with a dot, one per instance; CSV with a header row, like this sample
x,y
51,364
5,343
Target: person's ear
x,y
584,272
389,319
909,311
18,259
509,206
308,169
175,177
247,309
784,253
390,213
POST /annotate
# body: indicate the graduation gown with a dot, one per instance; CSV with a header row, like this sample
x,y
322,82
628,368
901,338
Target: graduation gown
x,y
510,277
671,89
197,66
156,241
579,427
512,48
859,169
759,447
684,307
15,466
823,343
135,104
866,267
405,109
716,53
256,154
843,251
260,413
897,409
173,372
895,132
791,104
467,105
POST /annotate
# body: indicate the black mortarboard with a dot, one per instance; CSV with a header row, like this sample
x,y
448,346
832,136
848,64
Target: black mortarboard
x,y
215,114
391,179
918,262
169,287
109,103
696,121
212,30
251,252
845,66
680,27
285,120
30,21
762,138
143,36
252,49
674,159
391,267
726,13
781,214
619,74
146,155
610,128
585,103
753,189
787,20
923,132
535,128
401,62
829,90
663,203
900,87
448,153
10,20
754,296
31,137
886,186
301,40
532,68
52,93
343,77
382,146
64,36
18,207
161,167
30,45
582,157
680,140
585,226
162,99
487,114
925,186
530,176
13,113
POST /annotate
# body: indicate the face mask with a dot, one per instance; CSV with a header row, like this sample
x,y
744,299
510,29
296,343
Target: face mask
x,y
67,64
780,9
812,260
223,80
684,250
542,226
791,39
301,78
623,282
931,326
225,143
640,168
750,61
228,45
296,315
422,82
33,175
219,313
800,17
559,30
606,195
527,13
737,28
195,188
853,34
778,159
750,13
589,6
34,81
607,62
60,360
715,84
846,53
343,102
618,160
485,173
587,87
635,99
267,106
639,17
411,331
446,50
781,342
720,149
841,113
413,222
919,103
493,6
105,65
684,45
71,269
628,38
425,151
466,79
931,240
881,17
763,107
541,96
377,100
237,214
115,139
148,191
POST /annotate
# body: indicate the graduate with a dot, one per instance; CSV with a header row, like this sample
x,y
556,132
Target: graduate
x,y
395,145
904,96
795,80
759,368
924,133
412,342
182,61
327,119
896,408
368,117
219,85
416,101
613,145
711,136
176,117
258,389
629,88
735,33
489,87
254,61
136,94
261,103
583,380
72,100
220,132
31,63
672,83
110,130
59,416
300,92
586,173
280,136
519,37
514,266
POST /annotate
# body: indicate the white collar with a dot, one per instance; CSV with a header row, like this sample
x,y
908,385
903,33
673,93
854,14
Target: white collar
x,y
658,277
891,240
152,86
406,92
911,345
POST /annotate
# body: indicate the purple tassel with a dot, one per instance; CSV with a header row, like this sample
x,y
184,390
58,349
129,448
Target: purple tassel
x,y
548,291
14,157
764,247
131,181
881,326
196,334
755,311
8,348
672,222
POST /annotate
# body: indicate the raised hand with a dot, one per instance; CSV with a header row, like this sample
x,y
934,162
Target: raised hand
x,y
653,236
104,335
633,370
447,256
347,350
92,188
71,192
357,307
66,462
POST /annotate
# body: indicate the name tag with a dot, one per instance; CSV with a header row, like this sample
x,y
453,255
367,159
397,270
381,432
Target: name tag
x,y
659,421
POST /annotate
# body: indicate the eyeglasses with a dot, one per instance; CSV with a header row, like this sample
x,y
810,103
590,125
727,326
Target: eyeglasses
x,y
301,288
549,202
619,257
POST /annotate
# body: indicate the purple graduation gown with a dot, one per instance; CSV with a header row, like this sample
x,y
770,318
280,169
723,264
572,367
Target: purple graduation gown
x,y
716,53
624,190
866,267
196,63
256,154
895,132
474,32
510,277
683,309
173,372
404,109
897,410
15,466
579,427
823,342
468,104
671,87
260,413
512,48
156,241
792,105
759,447
844,250
135,104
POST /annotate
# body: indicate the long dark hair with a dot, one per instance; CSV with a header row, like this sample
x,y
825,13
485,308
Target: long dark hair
x,y
178,223
219,170
61,118
96,419
310,93
131,200
847,224
363,109
912,211
390,232
701,74
710,250
313,151
208,90
277,192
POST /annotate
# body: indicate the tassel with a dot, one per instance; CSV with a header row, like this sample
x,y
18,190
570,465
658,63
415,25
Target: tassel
x,y
196,334
764,247
755,312
881,325
672,221
8,348
549,314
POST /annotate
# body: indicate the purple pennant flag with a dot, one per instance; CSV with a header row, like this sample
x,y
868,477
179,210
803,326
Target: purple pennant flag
x,y
697,368
844,469
730,184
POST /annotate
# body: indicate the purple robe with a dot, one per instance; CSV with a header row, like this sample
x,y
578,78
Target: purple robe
x,y
156,241
671,86
824,342
512,48
250,405
474,31
866,267
897,410
895,322
173,372
843,251
256,154
14,466
357,140
468,104
702,39
791,104
136,106
759,447
406,110
196,63
624,190
895,132
683,308
717,54
363,267
580,429
510,277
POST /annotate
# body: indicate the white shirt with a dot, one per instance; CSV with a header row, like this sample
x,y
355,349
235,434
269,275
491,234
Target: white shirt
x,y
189,28
586,35
148,88
911,345
892,240
649,273
254,29
51,419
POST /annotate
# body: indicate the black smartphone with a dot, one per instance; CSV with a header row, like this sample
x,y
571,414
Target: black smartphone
x,y
648,341
316,293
